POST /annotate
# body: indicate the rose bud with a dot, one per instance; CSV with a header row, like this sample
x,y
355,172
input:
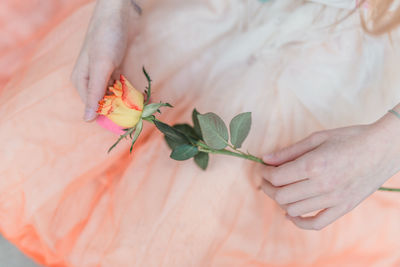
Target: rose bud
x,y
124,106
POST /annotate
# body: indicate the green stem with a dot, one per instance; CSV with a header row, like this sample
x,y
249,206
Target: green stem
x,y
128,132
231,153
148,86
389,189
239,154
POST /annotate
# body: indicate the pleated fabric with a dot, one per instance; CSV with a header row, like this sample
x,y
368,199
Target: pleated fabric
x,y
65,202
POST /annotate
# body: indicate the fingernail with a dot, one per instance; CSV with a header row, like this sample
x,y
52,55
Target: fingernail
x,y
89,115
268,157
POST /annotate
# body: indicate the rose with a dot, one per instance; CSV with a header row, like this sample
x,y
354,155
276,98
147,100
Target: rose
x,y
124,106
208,135
123,109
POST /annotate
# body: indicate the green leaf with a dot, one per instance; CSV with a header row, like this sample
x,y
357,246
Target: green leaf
x,y
201,160
187,130
127,132
138,130
148,88
173,143
171,133
146,74
184,152
214,130
152,108
150,118
240,128
196,124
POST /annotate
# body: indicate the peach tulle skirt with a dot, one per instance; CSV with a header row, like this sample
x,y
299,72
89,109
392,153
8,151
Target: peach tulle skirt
x,y
65,202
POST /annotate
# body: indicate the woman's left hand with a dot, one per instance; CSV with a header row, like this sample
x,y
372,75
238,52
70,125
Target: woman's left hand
x,y
332,171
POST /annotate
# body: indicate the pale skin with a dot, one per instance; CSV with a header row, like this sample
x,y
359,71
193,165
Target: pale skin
x,y
102,52
330,171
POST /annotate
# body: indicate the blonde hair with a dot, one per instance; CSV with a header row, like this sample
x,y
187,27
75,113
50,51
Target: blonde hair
x,y
381,18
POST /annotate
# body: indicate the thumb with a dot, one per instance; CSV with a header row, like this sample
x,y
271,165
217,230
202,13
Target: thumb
x,y
99,75
296,150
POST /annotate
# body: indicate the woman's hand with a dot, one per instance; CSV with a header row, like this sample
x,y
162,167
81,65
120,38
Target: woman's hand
x,y
332,171
102,52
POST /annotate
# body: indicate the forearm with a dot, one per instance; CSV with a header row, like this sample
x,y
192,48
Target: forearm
x,y
120,13
387,135
118,9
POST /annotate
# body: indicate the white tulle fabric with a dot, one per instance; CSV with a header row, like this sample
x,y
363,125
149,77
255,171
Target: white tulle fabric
x,y
66,202
347,4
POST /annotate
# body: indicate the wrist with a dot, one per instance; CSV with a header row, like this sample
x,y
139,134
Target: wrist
x,y
389,123
387,132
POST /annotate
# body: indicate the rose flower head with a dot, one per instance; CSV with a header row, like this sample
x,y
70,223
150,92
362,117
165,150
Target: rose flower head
x,y
123,110
124,106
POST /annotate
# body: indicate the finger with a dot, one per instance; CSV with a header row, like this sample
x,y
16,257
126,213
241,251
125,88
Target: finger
x,y
268,189
287,173
297,192
319,221
296,150
80,76
82,84
308,205
115,75
99,76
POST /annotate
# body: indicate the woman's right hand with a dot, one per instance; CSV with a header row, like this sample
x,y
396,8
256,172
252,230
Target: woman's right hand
x,y
102,52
